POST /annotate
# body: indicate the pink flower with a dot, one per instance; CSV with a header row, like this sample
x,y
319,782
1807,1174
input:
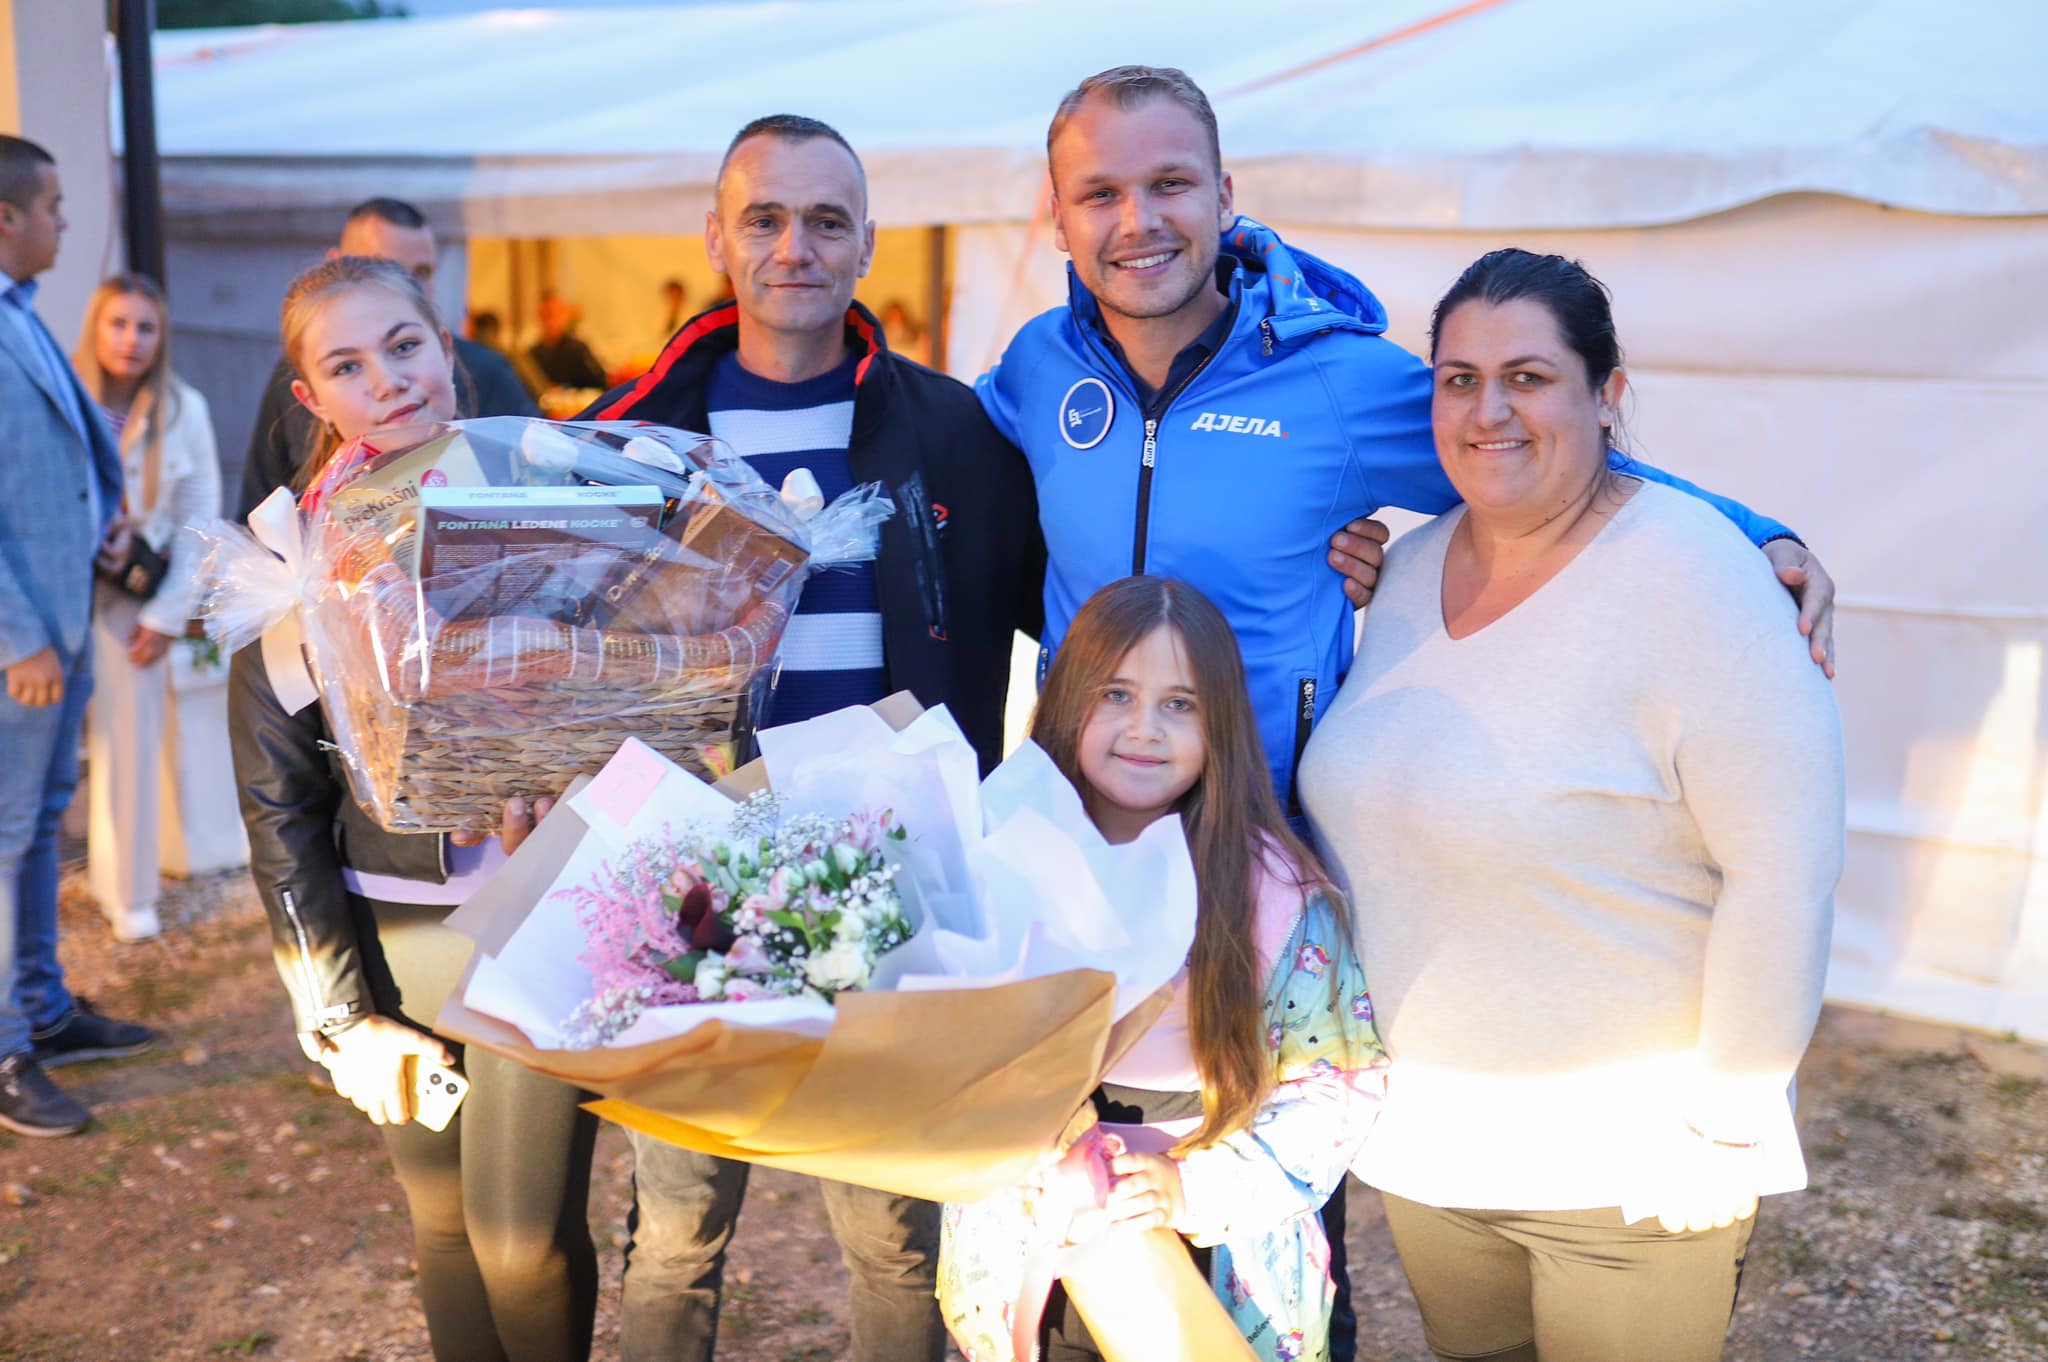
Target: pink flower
x,y
746,991
749,955
768,901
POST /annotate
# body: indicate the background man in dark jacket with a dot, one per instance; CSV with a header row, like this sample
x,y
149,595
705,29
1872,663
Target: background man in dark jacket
x,y
560,354
484,382
60,484
792,373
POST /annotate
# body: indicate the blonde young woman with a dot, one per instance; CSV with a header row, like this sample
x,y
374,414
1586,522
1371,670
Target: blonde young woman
x,y
171,473
507,1270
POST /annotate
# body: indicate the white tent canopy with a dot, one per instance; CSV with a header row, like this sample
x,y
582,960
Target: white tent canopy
x,y
1825,224
1388,115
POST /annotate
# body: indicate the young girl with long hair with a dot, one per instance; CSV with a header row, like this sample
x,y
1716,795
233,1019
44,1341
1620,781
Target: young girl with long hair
x,y
1239,1110
507,1271
172,480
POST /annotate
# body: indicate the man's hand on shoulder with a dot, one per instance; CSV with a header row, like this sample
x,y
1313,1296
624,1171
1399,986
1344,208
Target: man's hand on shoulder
x,y
1356,552
1814,589
37,680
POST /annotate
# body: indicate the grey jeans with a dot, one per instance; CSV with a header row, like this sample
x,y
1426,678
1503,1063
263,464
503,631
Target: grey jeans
x,y
1573,1286
684,1207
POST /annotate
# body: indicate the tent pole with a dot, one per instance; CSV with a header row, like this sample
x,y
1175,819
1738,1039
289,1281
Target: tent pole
x,y
935,301
143,207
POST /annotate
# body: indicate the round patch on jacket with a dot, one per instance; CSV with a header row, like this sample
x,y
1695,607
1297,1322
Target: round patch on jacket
x,y
1085,413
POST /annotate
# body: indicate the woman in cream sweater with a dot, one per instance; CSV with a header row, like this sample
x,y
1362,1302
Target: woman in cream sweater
x,y
1585,788
171,476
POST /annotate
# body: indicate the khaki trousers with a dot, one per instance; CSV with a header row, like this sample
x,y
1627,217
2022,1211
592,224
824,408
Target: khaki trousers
x,y
1567,1286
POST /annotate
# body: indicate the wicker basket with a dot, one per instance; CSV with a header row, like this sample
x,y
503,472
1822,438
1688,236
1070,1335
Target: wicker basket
x,y
444,704
454,762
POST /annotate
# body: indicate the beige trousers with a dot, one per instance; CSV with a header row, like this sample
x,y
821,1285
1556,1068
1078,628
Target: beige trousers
x,y
1566,1286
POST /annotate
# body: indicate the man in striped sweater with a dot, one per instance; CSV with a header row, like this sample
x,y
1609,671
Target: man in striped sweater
x,y
792,373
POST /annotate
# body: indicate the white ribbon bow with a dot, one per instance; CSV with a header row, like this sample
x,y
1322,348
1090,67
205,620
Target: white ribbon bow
x,y
275,524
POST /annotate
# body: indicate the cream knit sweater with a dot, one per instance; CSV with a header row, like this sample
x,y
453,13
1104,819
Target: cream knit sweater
x,y
1591,851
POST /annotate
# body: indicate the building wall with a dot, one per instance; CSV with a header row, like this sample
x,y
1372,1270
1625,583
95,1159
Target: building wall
x,y
56,65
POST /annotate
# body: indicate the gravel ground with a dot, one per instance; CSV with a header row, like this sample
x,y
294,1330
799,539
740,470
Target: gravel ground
x,y
226,1204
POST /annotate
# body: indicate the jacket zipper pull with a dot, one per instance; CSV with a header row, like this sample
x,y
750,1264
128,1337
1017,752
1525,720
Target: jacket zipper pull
x,y
1151,441
1266,341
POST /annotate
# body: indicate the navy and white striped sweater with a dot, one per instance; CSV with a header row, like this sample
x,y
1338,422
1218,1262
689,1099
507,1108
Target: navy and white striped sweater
x,y
832,651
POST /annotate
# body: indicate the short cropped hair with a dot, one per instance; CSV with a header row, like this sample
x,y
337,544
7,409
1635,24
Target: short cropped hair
x,y
1132,86
790,128
19,180
397,212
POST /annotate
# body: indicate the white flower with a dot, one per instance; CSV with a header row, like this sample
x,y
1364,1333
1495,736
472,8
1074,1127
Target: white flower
x,y
710,980
845,965
846,858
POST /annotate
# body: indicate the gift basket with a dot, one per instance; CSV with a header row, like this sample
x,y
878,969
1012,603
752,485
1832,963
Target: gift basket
x,y
488,607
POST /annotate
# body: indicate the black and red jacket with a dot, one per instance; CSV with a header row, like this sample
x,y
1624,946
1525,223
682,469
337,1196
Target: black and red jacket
x,y
962,562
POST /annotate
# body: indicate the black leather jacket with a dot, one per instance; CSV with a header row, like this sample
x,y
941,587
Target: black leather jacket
x,y
303,828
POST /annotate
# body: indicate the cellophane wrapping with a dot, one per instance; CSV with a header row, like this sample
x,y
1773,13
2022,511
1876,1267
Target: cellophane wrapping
x,y
488,607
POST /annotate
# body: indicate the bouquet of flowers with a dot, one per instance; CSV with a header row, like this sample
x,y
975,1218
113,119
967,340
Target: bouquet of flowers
x,y
772,908
777,969
485,605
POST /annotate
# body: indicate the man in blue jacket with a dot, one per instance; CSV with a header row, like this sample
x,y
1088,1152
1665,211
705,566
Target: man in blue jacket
x,y
1214,406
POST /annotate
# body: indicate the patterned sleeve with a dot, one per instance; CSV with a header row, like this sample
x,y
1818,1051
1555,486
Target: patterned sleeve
x,y
1331,1074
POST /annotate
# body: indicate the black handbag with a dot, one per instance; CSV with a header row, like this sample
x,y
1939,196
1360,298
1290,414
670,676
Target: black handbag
x,y
138,572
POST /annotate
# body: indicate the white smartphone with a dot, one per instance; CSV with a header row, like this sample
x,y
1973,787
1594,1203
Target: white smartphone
x,y
437,1091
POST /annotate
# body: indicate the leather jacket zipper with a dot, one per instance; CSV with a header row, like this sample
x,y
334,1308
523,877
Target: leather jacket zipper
x,y
316,1000
914,508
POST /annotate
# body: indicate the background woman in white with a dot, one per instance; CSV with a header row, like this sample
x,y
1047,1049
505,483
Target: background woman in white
x,y
1585,787
172,480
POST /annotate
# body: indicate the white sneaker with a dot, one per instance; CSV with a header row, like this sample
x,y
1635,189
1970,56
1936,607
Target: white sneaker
x,y
134,924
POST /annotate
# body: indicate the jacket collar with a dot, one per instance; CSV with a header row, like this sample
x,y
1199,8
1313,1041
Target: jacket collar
x,y
689,355
1276,286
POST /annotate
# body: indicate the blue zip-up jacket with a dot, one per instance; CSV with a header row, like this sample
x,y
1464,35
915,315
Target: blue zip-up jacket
x,y
1304,419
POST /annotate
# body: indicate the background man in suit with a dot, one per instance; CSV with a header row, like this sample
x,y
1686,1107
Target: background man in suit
x,y
485,385
60,484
